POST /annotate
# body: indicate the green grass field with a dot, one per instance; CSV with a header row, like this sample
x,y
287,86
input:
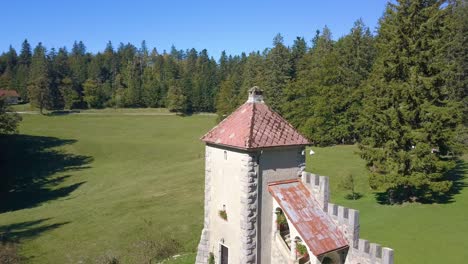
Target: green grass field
x,y
100,184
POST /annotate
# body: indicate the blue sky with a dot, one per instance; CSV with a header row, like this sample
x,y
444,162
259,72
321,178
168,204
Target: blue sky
x,y
234,26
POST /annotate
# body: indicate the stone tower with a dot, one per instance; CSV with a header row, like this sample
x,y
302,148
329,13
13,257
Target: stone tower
x,y
251,148
262,207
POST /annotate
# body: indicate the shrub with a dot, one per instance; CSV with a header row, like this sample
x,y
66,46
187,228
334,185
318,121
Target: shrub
x,y
301,249
108,258
223,214
211,259
9,253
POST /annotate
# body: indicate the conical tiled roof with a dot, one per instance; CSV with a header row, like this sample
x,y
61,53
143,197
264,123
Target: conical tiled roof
x,y
254,125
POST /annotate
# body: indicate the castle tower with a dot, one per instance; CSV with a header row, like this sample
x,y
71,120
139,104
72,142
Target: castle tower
x,y
251,148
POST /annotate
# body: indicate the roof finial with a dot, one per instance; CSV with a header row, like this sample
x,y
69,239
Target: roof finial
x,y
255,95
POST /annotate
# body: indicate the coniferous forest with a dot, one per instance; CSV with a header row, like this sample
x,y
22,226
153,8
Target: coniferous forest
x,y
399,92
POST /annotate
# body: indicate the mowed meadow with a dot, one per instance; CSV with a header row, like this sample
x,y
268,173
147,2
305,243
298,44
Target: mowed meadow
x,y
101,184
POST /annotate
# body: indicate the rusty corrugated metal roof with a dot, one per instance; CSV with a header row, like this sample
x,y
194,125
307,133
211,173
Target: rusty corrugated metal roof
x,y
254,125
315,226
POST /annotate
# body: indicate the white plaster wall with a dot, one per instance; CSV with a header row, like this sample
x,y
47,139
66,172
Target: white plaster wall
x,y
225,182
275,164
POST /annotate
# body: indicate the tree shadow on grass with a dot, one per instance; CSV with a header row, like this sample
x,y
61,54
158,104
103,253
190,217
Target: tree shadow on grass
x,y
62,112
28,164
456,175
12,235
26,230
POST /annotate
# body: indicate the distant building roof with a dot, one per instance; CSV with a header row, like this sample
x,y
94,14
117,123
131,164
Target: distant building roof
x,y
8,93
254,125
315,226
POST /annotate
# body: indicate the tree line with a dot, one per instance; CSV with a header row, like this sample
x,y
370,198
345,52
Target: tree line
x,y
400,93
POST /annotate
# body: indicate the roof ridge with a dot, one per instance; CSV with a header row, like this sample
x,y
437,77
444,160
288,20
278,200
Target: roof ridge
x,y
252,122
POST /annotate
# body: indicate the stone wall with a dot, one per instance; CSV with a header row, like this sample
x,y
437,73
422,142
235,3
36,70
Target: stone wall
x,y
203,247
274,165
248,220
278,254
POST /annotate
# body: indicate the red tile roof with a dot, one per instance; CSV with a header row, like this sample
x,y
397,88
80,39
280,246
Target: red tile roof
x,y
315,226
8,93
254,125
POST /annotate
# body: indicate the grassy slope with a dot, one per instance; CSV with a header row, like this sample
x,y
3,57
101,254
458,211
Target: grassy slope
x,y
146,180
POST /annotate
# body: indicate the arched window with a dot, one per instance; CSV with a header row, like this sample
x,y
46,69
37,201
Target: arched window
x,y
282,226
302,254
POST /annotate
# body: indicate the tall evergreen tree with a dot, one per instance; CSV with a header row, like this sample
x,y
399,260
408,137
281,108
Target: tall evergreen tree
x,y
307,106
253,74
298,51
93,95
456,72
8,121
70,96
277,73
176,100
22,72
39,79
409,117
152,96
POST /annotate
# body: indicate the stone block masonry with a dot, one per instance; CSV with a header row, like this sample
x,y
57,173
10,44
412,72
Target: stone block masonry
x,y
249,206
203,250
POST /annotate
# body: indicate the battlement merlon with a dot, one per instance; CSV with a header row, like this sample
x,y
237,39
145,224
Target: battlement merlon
x,y
367,252
319,187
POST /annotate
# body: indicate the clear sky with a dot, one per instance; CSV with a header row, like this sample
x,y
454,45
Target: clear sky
x,y
235,26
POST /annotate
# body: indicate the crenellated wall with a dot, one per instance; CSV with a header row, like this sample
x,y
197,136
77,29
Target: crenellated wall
x,y
319,186
361,251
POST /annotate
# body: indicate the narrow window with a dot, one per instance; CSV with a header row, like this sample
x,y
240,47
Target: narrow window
x,y
224,254
225,155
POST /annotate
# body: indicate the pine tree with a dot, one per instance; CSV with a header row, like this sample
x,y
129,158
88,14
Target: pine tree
x,y
277,73
39,80
8,121
93,95
8,76
78,62
408,120
456,57
55,100
176,100
71,99
227,98
132,80
26,54
22,72
151,89
253,74
299,49
308,104
324,99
